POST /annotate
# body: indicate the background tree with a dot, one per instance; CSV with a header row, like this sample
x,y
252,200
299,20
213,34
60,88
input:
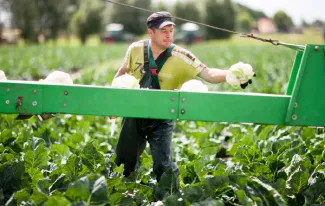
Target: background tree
x,y
87,20
282,21
186,10
245,22
134,21
161,6
255,14
318,23
38,17
220,13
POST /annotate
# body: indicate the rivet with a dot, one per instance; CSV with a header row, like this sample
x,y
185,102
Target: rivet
x,y
65,104
316,48
173,98
183,111
8,89
183,99
295,105
35,91
294,117
34,103
172,111
7,102
65,93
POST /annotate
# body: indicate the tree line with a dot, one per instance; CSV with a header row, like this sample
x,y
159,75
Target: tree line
x,y
87,17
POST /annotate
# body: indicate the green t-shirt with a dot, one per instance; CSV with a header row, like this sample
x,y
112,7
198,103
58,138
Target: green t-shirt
x,y
180,67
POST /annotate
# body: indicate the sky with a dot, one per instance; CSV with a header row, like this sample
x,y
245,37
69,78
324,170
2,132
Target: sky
x,y
309,10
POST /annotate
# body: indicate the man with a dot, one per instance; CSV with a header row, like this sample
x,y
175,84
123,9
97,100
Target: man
x,y
160,65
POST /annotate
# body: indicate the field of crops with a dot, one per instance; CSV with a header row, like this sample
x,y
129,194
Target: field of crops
x,y
69,159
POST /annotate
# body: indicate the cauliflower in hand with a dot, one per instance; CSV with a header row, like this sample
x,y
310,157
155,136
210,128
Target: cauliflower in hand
x,y
2,76
194,86
240,74
126,81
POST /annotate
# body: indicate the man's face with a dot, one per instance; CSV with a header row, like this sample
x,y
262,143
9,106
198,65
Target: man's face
x,y
162,37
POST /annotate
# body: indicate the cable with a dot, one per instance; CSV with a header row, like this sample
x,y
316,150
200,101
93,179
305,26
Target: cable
x,y
274,42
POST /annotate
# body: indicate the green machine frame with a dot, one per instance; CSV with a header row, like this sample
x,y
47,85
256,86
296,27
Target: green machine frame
x,y
302,105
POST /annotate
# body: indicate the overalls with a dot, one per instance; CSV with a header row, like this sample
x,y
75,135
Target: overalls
x,y
158,132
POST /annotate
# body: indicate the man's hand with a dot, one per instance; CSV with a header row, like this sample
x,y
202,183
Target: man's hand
x,y
240,74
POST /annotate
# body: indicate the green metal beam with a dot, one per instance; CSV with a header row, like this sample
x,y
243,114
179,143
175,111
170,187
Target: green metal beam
x,y
233,107
303,104
86,100
38,98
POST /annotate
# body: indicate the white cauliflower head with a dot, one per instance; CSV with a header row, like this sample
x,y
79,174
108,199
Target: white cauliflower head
x,y
194,86
239,73
58,77
2,76
126,81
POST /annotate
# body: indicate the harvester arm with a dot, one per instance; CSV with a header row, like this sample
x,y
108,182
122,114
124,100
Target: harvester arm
x,y
303,104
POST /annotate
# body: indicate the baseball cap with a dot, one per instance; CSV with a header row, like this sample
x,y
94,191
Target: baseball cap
x,y
159,19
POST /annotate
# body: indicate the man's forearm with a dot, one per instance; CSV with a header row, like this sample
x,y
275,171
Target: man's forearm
x,y
213,75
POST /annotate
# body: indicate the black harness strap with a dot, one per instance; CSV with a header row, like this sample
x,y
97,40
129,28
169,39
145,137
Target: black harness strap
x,y
146,79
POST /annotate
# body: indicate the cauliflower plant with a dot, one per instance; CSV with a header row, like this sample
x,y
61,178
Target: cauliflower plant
x,y
126,81
2,76
194,86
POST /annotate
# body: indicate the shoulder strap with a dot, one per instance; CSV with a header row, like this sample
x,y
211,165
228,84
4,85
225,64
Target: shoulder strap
x,y
146,56
160,61
146,80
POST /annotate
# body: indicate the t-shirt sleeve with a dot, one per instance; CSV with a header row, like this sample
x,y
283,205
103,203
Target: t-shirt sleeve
x,y
127,58
191,63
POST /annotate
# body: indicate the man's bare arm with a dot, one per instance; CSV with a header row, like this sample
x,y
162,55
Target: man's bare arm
x,y
213,75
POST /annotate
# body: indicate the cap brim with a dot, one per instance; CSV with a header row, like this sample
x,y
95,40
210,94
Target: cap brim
x,y
165,23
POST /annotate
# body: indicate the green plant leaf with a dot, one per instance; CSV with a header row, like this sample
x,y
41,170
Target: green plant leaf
x,y
55,201
36,159
193,194
298,180
39,197
92,158
11,178
73,167
312,193
265,192
167,185
215,184
99,192
79,190
243,199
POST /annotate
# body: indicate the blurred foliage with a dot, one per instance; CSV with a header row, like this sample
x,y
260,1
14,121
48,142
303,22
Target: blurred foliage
x,y
134,21
40,17
282,21
43,20
245,22
256,14
186,10
221,14
87,20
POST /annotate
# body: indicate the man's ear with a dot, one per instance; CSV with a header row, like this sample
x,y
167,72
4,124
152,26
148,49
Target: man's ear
x,y
151,32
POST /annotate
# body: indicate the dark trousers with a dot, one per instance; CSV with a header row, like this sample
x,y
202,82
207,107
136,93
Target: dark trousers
x,y
132,142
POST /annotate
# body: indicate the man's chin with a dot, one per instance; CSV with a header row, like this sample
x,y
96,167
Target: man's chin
x,y
167,44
